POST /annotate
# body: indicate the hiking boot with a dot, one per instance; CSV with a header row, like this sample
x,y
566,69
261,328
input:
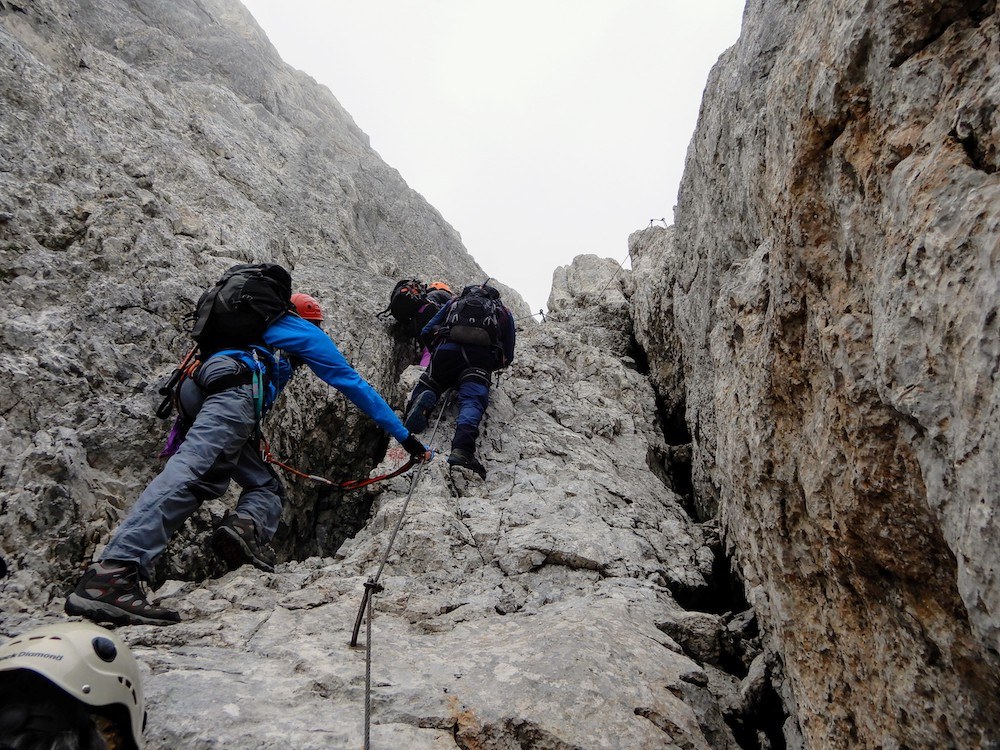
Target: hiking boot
x,y
466,459
110,592
236,542
420,411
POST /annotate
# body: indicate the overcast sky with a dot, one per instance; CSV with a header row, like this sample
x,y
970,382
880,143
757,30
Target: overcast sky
x,y
540,129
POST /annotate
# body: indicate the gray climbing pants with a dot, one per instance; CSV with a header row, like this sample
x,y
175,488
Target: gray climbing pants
x,y
219,447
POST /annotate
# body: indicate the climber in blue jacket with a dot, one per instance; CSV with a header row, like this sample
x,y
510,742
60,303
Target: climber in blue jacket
x,y
223,402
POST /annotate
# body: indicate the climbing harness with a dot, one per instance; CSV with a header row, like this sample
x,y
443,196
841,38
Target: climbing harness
x,y
372,586
170,389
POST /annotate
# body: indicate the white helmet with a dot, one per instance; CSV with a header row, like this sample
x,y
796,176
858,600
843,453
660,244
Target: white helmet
x,y
86,661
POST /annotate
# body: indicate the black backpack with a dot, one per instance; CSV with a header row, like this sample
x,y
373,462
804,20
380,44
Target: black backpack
x,y
245,301
231,314
474,317
406,299
438,297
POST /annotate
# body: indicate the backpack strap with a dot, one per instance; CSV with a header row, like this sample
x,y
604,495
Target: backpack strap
x,y
256,370
206,309
244,376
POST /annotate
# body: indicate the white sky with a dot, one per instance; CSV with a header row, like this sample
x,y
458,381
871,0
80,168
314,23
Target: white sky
x,y
540,129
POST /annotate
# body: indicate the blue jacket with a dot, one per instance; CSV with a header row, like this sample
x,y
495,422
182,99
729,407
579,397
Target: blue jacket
x,y
301,339
505,323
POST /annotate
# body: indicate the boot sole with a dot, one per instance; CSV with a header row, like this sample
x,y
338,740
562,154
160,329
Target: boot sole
x,y
416,420
99,611
479,472
228,545
415,423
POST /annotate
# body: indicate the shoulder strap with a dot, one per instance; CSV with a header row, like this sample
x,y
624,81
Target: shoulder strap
x,y
206,303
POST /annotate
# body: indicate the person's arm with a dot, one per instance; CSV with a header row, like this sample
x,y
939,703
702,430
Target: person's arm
x,y
429,331
307,342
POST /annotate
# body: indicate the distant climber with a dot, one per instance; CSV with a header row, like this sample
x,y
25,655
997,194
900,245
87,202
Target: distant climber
x,y
413,303
438,295
248,354
405,300
470,337
71,686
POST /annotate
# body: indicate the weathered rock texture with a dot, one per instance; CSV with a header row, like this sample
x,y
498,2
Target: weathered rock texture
x,y
144,148
533,609
832,288
820,332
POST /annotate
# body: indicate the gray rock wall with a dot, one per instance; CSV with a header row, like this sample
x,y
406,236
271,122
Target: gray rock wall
x,y
145,147
542,607
832,282
822,316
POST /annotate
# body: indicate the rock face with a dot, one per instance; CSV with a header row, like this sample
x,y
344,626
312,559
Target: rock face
x,y
145,148
562,603
741,497
831,284
541,607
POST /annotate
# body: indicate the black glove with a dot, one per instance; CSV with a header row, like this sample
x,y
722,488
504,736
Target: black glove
x,y
415,448
428,340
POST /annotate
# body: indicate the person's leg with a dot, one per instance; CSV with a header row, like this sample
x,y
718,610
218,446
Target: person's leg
x,y
243,535
109,591
437,378
473,397
200,470
418,410
263,496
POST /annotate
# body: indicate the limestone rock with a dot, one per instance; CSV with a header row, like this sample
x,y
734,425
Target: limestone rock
x,y
831,282
741,496
148,146
519,609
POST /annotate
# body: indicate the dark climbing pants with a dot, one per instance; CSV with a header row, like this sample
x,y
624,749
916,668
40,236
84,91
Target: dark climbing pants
x,y
218,448
469,371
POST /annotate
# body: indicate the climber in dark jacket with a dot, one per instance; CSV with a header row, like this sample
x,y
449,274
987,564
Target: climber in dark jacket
x,y
470,337
219,446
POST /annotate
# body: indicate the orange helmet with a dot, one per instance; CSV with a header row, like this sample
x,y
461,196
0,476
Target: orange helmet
x,y
439,285
307,307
